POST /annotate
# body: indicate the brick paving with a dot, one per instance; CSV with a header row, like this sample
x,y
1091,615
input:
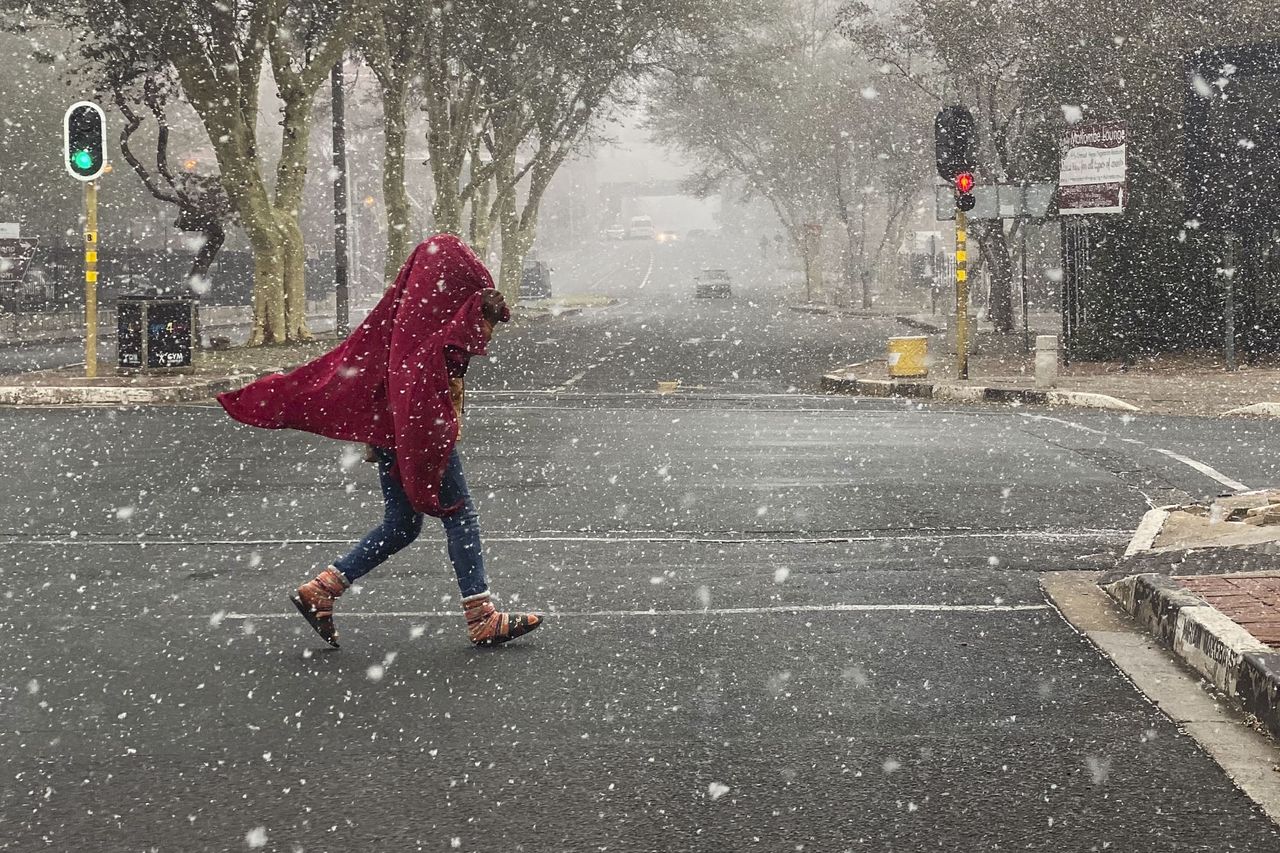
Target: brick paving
x,y
1250,599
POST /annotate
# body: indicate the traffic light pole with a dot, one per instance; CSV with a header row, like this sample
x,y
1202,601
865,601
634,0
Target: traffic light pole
x,y
962,298
91,278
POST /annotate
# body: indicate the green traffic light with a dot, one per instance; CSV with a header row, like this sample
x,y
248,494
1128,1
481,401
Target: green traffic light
x,y
82,160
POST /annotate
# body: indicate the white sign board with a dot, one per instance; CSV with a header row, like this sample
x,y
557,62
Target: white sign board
x,y
998,201
1092,169
9,231
15,257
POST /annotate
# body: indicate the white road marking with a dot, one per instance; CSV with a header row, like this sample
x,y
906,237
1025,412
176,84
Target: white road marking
x,y
1211,473
647,272
619,539
575,379
721,611
1060,421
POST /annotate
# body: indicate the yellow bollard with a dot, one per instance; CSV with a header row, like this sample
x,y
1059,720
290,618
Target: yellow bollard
x,y
907,357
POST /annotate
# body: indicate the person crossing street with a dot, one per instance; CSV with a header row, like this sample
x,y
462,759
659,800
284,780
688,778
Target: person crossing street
x,y
397,385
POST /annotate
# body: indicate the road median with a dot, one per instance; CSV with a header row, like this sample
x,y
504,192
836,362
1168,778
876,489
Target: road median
x,y
843,383
1173,384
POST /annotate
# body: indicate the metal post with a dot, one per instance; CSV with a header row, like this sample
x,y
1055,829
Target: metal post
x,y
341,252
1067,275
933,274
91,279
1026,325
1229,303
962,299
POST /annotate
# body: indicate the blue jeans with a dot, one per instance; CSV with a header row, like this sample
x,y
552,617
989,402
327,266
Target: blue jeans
x,y
401,524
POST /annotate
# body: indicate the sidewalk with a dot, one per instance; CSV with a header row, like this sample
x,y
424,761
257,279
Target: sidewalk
x,y
1179,384
1002,370
1225,624
1250,599
213,371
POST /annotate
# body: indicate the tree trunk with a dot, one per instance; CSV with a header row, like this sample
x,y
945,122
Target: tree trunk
x,y
512,249
291,174
995,250
481,230
295,285
248,194
811,249
214,237
854,266
268,281
446,208
395,195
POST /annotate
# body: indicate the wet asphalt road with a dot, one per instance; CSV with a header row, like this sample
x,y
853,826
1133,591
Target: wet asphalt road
x,y
779,621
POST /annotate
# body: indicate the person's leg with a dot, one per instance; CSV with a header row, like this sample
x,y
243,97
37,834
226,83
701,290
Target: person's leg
x,y
486,625
400,526
462,530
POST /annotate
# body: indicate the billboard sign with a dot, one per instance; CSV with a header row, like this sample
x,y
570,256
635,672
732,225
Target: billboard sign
x,y
15,257
1091,177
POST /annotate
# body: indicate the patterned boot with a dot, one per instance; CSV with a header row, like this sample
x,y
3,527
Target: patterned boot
x,y
487,626
315,599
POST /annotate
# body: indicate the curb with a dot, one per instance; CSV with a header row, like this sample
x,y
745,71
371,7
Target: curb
x,y
534,317
107,395
1264,410
920,325
812,309
1149,528
867,314
1227,655
837,384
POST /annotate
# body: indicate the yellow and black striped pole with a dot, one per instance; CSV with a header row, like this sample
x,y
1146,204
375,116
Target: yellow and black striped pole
x,y
962,299
91,278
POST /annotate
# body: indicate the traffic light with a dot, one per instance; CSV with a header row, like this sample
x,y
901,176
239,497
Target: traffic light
x,y
965,183
85,137
955,140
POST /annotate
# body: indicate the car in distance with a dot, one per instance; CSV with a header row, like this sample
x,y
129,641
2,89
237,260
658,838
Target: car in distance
x,y
713,284
641,228
617,232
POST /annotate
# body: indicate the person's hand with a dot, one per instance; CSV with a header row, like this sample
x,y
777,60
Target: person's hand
x,y
494,306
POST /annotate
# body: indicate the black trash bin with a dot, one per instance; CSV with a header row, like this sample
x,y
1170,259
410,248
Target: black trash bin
x,y
535,281
154,332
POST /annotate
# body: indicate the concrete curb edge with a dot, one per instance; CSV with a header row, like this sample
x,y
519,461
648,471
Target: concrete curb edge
x,y
1265,410
1148,529
835,383
1227,655
45,395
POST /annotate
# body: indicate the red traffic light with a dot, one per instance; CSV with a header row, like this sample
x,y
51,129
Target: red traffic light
x,y
964,182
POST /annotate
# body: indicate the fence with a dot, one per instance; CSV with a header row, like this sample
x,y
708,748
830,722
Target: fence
x,y
55,281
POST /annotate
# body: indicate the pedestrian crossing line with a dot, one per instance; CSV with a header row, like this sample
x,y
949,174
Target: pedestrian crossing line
x,y
618,538
711,611
1194,464
1209,472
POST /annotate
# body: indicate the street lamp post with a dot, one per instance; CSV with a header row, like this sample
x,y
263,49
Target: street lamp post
x,y
342,320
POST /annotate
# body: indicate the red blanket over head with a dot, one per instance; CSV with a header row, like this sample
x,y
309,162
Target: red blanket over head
x,y
387,383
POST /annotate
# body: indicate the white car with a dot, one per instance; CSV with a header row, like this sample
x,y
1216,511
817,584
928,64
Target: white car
x,y
641,228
